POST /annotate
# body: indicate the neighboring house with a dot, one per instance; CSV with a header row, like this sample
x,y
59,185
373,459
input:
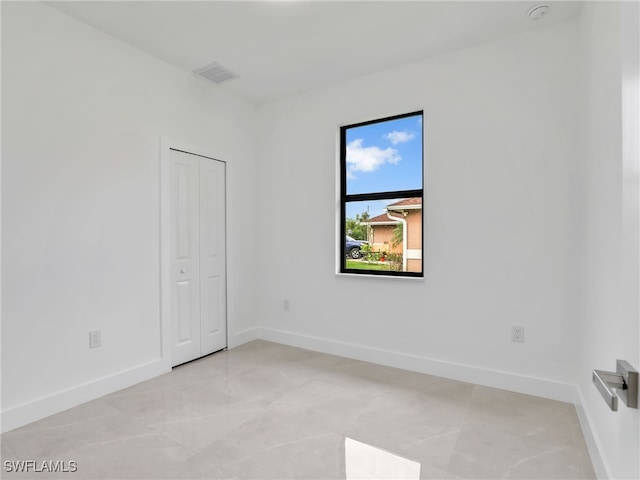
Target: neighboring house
x,y
381,227
380,234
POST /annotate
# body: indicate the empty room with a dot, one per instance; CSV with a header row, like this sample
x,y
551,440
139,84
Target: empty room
x,y
320,239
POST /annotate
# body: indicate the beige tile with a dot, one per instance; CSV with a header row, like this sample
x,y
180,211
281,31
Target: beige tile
x,y
263,432
7,455
258,384
5,450
412,425
260,352
209,368
562,463
486,451
307,365
521,413
374,379
428,472
197,433
320,457
212,368
320,407
434,453
150,456
449,392
272,411
178,403
51,442
581,446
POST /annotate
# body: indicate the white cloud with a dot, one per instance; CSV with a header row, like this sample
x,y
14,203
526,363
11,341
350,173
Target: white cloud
x,y
396,137
368,159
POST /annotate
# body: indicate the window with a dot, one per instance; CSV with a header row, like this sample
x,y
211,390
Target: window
x,y
381,192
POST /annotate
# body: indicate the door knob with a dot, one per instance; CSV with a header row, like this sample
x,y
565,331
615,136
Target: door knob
x,y
183,270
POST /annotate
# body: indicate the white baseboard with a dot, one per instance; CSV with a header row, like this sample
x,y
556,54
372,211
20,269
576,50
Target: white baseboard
x,y
600,466
540,387
24,414
57,402
244,336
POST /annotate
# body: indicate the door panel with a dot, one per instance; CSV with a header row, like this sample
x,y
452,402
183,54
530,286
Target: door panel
x,y
184,312
212,254
212,185
185,268
183,206
211,321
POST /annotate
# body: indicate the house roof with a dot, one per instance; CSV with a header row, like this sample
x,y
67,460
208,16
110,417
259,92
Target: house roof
x,y
380,220
413,201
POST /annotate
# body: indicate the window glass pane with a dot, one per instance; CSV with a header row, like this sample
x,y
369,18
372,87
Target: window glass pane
x,y
384,156
384,235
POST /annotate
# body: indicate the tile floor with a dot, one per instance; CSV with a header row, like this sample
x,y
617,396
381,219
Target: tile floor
x,y
269,411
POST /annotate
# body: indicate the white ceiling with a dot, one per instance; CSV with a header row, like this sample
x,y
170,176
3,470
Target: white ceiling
x,y
279,48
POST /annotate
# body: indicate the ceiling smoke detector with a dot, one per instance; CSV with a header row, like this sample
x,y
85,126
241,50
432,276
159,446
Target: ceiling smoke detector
x,y
216,73
537,12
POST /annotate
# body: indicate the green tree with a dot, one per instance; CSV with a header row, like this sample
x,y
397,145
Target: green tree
x,y
355,229
398,234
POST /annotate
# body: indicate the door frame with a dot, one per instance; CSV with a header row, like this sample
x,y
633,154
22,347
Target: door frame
x,y
166,145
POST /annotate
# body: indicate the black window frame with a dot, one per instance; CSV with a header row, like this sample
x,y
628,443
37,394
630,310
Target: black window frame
x,y
386,195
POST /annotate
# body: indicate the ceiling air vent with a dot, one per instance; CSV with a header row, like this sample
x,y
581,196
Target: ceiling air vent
x,y
216,73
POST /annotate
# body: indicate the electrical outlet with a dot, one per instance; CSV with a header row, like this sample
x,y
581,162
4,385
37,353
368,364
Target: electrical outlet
x,y
95,339
286,305
517,334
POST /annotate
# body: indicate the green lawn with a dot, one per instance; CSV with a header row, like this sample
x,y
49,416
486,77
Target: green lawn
x,y
353,264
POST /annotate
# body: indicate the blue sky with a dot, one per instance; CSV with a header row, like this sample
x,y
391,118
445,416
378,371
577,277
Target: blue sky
x,y
383,157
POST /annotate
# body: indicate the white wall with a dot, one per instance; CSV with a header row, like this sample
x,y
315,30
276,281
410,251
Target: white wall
x,y
526,209
83,115
610,313
500,217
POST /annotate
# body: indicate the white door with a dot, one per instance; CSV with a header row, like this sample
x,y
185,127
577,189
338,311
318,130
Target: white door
x,y
198,266
213,259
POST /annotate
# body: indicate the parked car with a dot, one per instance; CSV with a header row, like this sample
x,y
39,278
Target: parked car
x,y
352,247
